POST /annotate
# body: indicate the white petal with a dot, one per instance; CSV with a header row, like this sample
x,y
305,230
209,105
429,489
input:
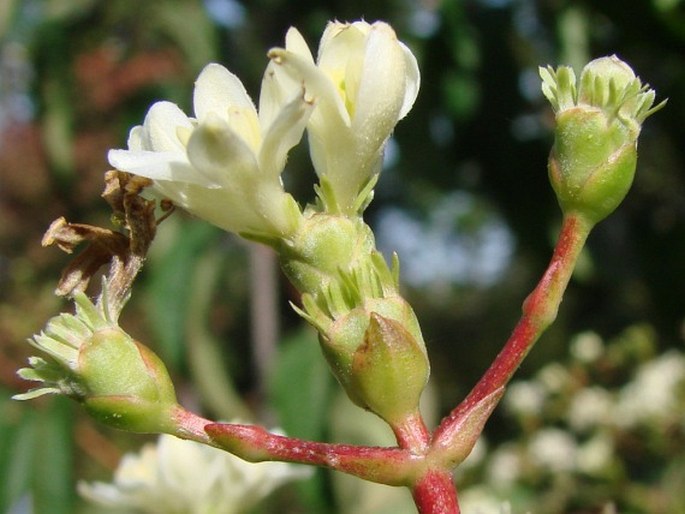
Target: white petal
x,y
295,43
136,138
284,133
220,154
278,87
338,46
382,86
217,90
316,83
412,83
160,128
172,166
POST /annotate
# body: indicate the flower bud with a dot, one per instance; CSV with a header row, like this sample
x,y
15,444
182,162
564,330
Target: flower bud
x,y
323,245
368,332
598,121
90,359
389,370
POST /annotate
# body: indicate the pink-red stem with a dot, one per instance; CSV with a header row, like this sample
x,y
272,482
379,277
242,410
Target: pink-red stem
x,y
539,311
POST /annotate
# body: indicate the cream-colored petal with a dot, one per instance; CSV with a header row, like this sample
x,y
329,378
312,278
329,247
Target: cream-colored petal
x,y
412,82
340,45
284,133
381,89
217,89
333,30
278,87
220,154
218,92
136,138
316,84
157,166
295,43
160,127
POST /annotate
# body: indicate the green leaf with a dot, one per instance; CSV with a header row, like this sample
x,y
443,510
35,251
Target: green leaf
x,y
301,392
170,285
17,427
53,481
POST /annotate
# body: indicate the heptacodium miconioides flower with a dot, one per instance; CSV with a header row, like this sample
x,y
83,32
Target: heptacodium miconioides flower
x,y
364,81
223,165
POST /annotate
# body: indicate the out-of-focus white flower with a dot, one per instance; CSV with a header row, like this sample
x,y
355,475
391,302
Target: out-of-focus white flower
x,y
363,82
481,500
554,378
525,398
595,455
224,165
587,347
176,476
590,407
553,449
652,394
504,466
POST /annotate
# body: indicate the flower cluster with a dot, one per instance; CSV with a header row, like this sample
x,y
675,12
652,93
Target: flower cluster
x,y
225,163
179,476
611,413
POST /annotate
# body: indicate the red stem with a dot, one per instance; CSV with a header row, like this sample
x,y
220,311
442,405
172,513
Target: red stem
x,y
539,311
391,466
435,493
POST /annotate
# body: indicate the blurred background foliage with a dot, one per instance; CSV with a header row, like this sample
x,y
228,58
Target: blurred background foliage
x,y
464,199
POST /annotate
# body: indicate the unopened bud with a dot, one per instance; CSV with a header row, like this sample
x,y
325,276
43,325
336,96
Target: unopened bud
x,y
90,359
598,121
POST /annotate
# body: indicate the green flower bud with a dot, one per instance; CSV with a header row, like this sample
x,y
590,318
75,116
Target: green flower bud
x,y
389,370
324,245
368,332
90,359
593,160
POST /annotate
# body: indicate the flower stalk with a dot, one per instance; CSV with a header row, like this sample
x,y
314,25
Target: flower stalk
x,y
539,311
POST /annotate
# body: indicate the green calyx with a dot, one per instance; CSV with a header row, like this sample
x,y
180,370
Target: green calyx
x,y
389,370
599,118
90,359
368,333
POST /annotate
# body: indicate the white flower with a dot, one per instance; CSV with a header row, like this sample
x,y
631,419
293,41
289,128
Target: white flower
x,y
505,466
592,406
481,500
525,398
596,454
363,82
652,394
184,477
587,347
224,165
553,449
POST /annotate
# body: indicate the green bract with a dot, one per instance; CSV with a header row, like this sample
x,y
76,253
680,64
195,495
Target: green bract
x,y
599,117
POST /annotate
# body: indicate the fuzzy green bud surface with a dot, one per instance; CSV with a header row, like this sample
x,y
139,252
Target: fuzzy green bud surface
x,y
598,120
90,359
